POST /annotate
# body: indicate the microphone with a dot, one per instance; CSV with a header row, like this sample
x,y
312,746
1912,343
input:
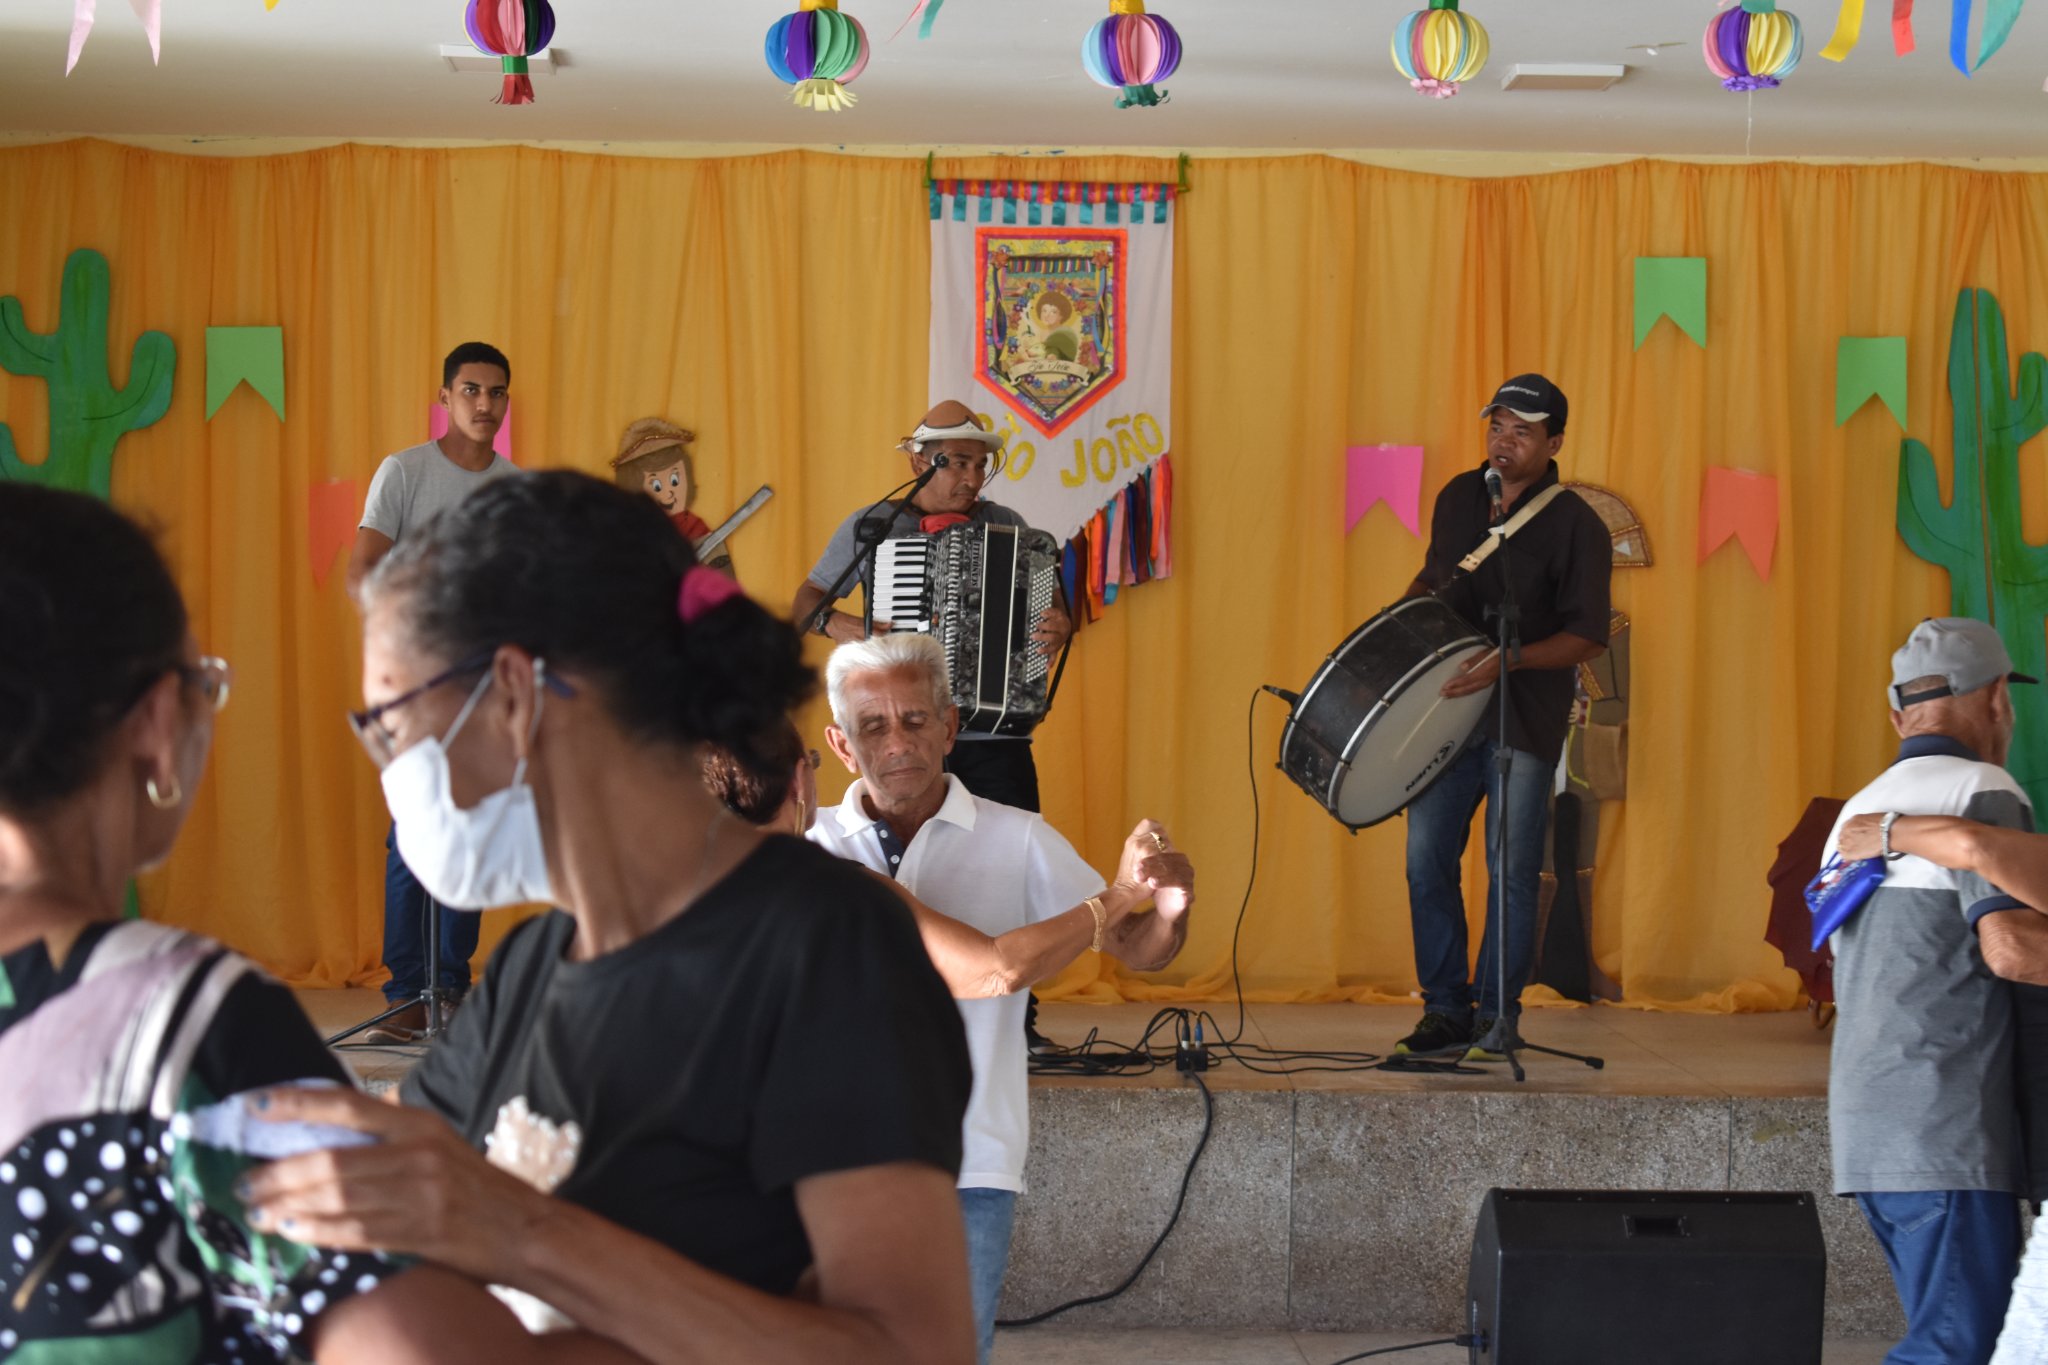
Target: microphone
x,y
941,461
1291,698
1494,492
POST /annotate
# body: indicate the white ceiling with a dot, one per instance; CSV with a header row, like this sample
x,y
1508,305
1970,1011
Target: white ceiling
x,y
1006,73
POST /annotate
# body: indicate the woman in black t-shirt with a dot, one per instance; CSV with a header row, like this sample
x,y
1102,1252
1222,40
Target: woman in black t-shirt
x,y
124,1044
681,1148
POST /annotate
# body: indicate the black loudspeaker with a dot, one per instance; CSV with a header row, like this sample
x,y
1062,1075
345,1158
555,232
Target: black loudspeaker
x,y
1582,1277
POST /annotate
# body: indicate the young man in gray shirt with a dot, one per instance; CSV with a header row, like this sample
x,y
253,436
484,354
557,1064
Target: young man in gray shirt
x,y
1922,1104
409,488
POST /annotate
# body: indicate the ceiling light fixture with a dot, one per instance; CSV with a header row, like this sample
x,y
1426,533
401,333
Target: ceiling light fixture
x,y
1562,75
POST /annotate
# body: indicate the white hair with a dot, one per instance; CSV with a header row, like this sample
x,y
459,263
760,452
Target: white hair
x,y
882,654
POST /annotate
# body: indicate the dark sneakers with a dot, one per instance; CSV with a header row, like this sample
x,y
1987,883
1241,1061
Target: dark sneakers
x,y
1490,1039
1438,1035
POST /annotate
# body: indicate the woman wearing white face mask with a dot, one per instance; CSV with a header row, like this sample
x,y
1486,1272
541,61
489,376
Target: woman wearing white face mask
x,y
116,1034
675,1142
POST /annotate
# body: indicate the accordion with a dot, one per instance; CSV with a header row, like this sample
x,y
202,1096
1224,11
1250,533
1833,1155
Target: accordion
x,y
979,589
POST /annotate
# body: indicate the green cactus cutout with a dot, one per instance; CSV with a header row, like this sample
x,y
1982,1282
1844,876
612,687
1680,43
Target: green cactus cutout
x,y
1994,574
88,415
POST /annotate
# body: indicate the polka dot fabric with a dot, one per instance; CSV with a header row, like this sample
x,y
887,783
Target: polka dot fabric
x,y
124,1244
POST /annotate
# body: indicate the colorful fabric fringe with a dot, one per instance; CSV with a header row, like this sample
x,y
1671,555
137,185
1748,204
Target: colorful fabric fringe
x,y
1127,543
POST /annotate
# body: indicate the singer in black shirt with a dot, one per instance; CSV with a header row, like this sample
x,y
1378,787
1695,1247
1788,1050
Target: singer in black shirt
x,y
1560,560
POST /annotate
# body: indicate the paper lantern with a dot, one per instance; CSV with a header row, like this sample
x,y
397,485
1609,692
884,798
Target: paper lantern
x,y
1130,51
511,30
818,51
1437,48
1753,47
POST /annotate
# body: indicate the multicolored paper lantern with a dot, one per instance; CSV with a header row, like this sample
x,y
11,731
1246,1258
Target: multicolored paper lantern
x,y
1131,51
1439,48
1754,46
819,52
511,30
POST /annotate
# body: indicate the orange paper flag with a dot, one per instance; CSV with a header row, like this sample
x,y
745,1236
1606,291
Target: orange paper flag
x,y
331,510
1742,505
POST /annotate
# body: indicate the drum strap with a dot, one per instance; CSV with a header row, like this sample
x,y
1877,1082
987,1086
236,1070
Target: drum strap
x,y
1516,522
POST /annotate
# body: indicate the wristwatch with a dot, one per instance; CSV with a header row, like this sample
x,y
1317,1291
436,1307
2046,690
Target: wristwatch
x,y
1884,836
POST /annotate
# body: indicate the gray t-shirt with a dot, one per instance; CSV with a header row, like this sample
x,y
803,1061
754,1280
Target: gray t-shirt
x,y
415,484
844,547
1921,1083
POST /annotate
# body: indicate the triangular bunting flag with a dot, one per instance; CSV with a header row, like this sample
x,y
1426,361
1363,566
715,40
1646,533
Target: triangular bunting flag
x,y
437,427
251,355
331,509
1867,368
1388,474
1741,505
1673,287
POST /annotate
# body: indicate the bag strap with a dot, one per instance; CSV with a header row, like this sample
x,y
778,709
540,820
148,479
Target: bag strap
x,y
1516,522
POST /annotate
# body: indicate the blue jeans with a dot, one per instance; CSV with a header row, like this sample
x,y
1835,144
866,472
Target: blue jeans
x,y
1439,824
405,946
988,1215
1953,1254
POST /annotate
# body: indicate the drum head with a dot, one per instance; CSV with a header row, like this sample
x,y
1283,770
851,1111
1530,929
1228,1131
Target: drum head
x,y
1408,747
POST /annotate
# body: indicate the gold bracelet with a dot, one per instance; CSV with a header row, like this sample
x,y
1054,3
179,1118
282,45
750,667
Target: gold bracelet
x,y
1095,907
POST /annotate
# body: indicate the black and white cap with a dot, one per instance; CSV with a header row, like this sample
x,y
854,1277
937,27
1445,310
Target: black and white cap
x,y
1532,398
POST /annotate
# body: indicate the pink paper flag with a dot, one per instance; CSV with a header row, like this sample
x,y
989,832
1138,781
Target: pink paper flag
x,y
1388,474
81,28
331,512
150,12
437,427
1740,505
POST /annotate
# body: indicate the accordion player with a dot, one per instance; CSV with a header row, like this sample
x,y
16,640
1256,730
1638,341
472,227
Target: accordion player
x,y
979,588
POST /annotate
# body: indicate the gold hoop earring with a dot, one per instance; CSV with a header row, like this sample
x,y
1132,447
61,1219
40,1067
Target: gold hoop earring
x,y
164,800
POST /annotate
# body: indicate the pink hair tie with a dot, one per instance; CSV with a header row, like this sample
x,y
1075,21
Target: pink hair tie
x,y
704,590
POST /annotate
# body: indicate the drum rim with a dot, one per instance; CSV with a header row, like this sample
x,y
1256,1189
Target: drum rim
x,y
1344,759
1323,669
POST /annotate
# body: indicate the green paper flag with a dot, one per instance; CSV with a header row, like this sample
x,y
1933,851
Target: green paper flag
x,y
254,355
1867,368
6,989
1673,287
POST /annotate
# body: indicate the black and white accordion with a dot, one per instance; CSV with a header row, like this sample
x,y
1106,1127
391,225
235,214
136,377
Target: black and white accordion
x,y
979,589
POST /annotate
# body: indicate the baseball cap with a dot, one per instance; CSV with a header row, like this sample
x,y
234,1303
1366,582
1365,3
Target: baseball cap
x,y
1532,398
1967,653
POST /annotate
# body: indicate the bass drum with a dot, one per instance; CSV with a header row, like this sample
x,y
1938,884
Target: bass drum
x,y
1371,731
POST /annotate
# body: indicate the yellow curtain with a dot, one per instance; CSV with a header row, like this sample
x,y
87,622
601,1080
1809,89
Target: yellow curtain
x,y
777,305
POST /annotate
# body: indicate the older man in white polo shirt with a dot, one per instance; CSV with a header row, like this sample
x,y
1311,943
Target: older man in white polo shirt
x,y
994,867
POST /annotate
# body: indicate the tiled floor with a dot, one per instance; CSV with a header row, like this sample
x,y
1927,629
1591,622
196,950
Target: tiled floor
x,y
1053,1346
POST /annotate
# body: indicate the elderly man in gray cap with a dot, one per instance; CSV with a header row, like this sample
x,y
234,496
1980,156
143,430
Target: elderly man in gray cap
x,y
1921,1090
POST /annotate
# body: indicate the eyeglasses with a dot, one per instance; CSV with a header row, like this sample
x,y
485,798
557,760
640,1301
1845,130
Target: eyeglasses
x,y
376,737
213,676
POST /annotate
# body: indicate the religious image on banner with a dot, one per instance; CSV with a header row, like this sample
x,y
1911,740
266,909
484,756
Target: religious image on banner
x,y
1052,320
1052,316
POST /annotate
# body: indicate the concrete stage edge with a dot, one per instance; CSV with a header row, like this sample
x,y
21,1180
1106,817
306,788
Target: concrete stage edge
x,y
1345,1201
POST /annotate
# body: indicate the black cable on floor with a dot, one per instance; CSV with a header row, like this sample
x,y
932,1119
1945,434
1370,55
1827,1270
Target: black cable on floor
x,y
1179,1203
1412,1346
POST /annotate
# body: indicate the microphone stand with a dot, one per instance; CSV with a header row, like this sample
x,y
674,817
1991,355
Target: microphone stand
x,y
433,999
1508,621
868,534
